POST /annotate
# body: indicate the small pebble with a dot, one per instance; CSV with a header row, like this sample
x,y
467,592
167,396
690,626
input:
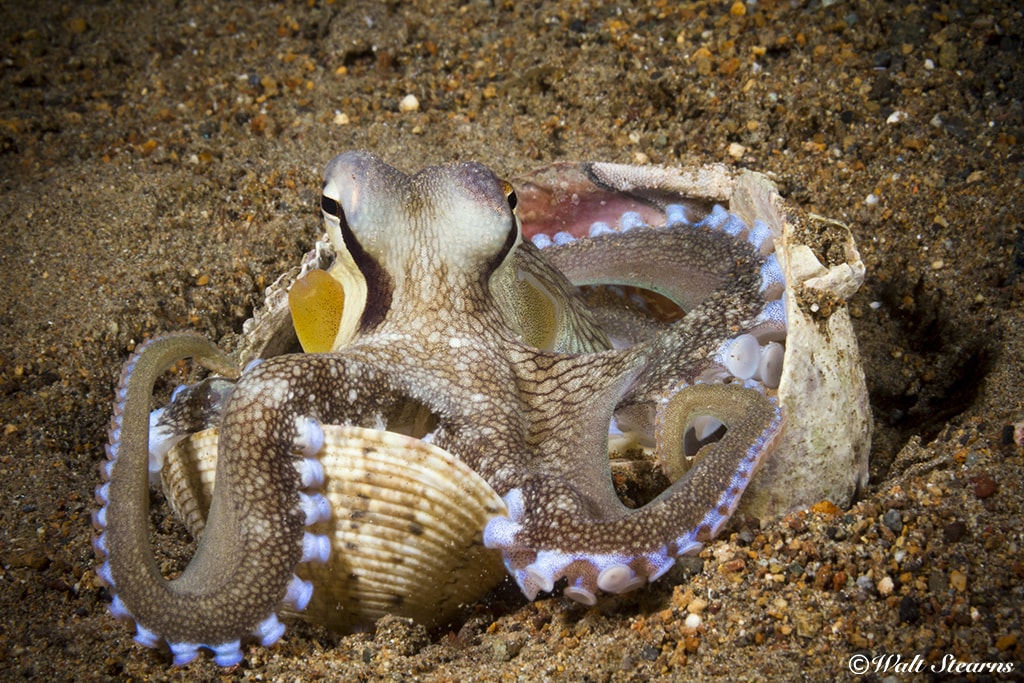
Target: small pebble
x,y
948,56
408,104
910,612
984,486
1006,642
894,520
736,150
697,605
954,531
884,586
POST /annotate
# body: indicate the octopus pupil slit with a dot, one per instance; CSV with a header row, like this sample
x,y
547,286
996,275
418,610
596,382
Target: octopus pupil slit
x,y
329,205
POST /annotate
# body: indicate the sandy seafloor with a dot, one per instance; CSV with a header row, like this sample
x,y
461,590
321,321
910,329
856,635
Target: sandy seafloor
x,y
160,165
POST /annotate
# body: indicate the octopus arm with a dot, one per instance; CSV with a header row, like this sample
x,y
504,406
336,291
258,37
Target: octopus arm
x,y
243,566
554,530
543,307
683,263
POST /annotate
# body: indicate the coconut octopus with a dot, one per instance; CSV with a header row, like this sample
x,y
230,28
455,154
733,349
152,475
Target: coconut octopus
x,y
457,390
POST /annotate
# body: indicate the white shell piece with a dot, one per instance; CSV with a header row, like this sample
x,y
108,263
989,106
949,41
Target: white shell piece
x,y
823,451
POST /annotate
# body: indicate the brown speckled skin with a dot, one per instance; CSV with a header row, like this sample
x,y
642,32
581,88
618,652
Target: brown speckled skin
x,y
432,334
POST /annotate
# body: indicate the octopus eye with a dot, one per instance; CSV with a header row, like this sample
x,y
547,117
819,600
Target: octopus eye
x,y
330,206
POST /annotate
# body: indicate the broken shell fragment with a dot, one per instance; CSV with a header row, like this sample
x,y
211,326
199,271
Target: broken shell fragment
x,y
823,451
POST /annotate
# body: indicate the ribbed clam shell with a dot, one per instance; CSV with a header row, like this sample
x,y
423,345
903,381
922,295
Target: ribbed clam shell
x,y
406,525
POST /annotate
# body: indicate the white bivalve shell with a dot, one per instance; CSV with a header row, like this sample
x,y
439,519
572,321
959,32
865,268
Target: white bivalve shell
x,y
406,525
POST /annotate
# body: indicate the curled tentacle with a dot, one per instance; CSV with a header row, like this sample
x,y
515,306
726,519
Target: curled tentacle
x,y
553,532
720,273
242,569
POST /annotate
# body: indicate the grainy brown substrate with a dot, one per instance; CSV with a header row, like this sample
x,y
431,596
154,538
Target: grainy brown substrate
x,y
160,165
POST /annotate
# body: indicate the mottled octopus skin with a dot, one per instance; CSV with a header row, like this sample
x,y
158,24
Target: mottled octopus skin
x,y
432,249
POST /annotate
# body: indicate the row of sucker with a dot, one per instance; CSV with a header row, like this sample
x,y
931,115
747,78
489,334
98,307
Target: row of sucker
x,y
195,610
706,507
756,354
744,361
